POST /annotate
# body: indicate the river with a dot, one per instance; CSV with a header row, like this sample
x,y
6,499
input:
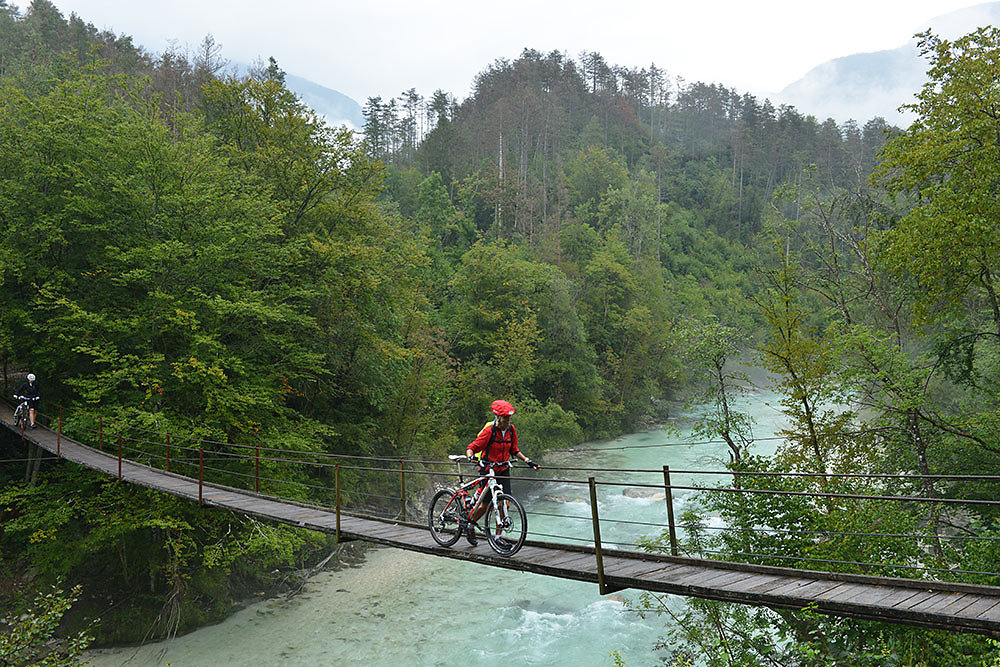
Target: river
x,y
403,608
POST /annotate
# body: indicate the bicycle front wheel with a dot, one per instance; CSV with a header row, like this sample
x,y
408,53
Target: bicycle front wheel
x,y
443,518
19,416
509,517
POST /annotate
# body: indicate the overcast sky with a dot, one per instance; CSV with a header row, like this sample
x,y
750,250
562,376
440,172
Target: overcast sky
x,y
365,48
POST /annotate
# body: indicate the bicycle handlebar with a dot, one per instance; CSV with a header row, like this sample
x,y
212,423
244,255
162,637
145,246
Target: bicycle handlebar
x,y
461,458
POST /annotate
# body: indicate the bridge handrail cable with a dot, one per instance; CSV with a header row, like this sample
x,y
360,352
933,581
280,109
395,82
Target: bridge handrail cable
x,y
406,466
775,492
396,459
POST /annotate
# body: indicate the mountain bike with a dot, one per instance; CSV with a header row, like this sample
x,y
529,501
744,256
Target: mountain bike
x,y
450,512
21,412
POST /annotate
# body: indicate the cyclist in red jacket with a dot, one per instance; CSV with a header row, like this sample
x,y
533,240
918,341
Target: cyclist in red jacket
x,y
498,443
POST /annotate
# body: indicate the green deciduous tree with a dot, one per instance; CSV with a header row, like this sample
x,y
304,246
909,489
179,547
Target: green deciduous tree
x,y
589,176
949,243
451,232
231,276
802,363
943,255
712,351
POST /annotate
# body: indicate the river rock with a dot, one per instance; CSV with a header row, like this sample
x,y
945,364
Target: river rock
x,y
646,494
563,499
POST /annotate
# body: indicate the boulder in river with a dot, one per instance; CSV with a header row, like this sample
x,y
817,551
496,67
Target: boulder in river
x,y
646,494
563,499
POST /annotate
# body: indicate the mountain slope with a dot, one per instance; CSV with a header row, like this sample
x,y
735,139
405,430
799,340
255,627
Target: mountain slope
x,y
337,108
864,85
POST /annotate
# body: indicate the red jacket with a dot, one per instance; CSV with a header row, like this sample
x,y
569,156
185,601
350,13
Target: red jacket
x,y
503,447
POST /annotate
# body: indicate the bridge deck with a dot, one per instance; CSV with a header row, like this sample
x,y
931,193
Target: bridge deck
x,y
950,606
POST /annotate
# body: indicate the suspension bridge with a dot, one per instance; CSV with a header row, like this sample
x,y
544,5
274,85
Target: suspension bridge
x,y
948,605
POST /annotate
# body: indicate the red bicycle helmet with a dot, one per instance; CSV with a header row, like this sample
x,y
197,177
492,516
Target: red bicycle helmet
x,y
501,408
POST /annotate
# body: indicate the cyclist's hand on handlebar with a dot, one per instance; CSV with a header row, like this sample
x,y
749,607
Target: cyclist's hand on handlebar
x,y
531,464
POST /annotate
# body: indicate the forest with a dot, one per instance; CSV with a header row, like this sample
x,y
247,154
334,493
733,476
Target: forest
x,y
199,253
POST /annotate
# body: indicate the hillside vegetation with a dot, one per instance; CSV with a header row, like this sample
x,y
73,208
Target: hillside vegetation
x,y
198,254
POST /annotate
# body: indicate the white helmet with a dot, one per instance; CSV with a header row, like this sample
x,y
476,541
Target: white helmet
x,y
31,377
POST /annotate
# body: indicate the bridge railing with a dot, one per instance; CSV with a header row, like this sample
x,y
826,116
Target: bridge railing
x,y
900,535
890,524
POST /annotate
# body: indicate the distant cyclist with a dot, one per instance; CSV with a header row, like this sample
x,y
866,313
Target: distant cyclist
x,y
31,391
497,441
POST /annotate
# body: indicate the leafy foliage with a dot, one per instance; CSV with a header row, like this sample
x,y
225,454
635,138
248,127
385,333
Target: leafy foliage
x,y
29,639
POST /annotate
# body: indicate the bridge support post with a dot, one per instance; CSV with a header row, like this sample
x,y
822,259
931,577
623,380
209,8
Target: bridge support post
x,y
119,458
100,434
201,471
168,452
336,486
601,585
402,491
670,511
256,469
59,433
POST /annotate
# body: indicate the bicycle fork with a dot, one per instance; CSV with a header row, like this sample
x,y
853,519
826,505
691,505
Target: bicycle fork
x,y
478,501
502,519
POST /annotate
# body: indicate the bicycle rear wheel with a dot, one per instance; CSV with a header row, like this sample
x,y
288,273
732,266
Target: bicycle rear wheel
x,y
443,518
513,522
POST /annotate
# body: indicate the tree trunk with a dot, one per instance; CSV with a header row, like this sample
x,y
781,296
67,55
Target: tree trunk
x,y
928,486
659,218
498,215
739,214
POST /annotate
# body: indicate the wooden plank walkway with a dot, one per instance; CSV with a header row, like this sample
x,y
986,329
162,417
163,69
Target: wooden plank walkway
x,y
950,606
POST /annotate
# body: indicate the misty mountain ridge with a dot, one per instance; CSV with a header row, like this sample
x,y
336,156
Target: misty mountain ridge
x,y
862,86
332,105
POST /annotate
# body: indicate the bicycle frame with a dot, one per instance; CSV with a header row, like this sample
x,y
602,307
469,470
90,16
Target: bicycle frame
x,y
22,412
492,485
